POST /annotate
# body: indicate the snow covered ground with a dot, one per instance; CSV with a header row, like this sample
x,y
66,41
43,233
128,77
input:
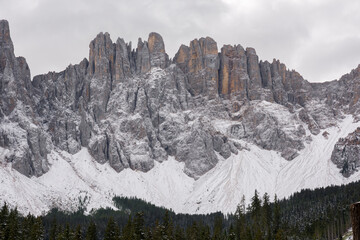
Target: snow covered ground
x,y
348,235
78,179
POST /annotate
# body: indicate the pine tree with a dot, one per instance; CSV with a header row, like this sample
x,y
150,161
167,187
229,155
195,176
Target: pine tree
x,y
148,233
13,231
179,233
240,221
159,231
139,226
232,235
117,232
192,231
277,216
37,230
168,226
53,230
218,226
280,235
4,214
204,232
91,233
248,233
258,235
255,210
255,206
27,224
266,217
77,235
128,230
60,234
111,232
66,232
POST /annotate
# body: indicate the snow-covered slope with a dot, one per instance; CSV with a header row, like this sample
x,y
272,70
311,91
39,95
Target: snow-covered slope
x,y
78,179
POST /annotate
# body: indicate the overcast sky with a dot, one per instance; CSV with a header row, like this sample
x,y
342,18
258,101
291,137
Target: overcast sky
x,y
318,38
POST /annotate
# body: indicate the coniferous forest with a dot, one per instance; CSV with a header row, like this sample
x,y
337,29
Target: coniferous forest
x,y
310,214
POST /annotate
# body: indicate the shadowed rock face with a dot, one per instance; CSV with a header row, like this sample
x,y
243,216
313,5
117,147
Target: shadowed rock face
x,y
130,107
15,74
254,74
346,153
20,133
6,45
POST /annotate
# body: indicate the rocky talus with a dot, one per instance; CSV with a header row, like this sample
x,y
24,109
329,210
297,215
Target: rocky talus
x,y
131,107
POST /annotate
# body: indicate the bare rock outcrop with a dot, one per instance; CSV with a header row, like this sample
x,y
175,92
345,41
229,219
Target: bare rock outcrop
x,y
27,143
233,75
200,63
346,153
158,56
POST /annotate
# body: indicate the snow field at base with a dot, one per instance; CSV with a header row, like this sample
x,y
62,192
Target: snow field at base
x,y
79,178
348,235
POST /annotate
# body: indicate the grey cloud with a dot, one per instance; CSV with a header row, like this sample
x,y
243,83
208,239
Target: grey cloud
x,y
330,57
320,39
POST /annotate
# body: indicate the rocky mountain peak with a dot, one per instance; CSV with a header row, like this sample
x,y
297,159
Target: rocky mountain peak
x,y
200,62
6,45
130,108
5,34
27,144
156,46
15,83
101,55
354,74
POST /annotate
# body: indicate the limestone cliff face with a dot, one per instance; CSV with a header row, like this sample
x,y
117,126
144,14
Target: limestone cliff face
x,y
288,86
233,75
27,143
132,107
243,77
122,67
15,82
151,53
200,63
254,74
158,56
142,57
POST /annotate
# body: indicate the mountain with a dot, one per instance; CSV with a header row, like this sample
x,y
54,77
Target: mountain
x,y
193,133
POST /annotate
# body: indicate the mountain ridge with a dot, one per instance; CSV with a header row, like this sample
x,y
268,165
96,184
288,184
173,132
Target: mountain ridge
x,y
135,109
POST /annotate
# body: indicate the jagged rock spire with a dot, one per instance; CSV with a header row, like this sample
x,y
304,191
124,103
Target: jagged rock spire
x,y
6,45
5,39
200,62
28,151
156,46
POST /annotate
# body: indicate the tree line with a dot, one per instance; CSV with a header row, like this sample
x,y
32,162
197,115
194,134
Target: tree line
x,y
310,214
